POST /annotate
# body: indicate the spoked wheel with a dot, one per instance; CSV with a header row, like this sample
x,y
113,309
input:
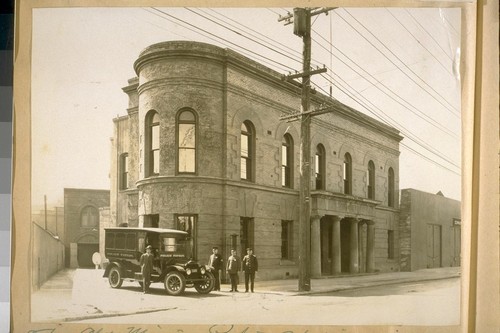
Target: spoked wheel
x,y
175,283
207,285
115,278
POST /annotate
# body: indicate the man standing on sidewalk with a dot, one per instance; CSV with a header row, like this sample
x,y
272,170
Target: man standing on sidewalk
x,y
250,266
146,263
233,267
215,263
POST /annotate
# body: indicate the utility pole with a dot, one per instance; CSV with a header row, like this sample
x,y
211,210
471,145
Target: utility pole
x,y
302,28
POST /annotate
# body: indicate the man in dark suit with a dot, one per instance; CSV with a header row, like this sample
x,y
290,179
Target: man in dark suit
x,y
215,264
250,266
146,262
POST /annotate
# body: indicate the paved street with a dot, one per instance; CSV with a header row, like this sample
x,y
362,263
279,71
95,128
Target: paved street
x,y
393,298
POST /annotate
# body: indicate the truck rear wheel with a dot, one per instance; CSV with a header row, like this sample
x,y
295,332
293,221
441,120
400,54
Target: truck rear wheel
x,y
115,277
175,283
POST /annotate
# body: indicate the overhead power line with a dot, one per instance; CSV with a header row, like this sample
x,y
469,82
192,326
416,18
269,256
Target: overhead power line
x,y
224,39
420,43
272,42
401,101
449,108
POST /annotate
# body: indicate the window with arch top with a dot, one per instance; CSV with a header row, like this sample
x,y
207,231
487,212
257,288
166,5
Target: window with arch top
x,y
152,144
347,174
186,142
319,167
371,180
390,190
247,151
287,161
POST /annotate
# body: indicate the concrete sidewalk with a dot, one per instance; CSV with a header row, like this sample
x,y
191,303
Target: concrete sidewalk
x,y
66,297
345,282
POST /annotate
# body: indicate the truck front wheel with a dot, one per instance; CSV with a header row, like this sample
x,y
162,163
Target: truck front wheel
x,y
205,286
175,283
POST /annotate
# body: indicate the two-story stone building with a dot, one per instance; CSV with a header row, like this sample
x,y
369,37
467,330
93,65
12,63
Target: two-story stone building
x,y
202,149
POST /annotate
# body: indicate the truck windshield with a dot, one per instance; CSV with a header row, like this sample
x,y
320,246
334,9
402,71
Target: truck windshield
x,y
176,244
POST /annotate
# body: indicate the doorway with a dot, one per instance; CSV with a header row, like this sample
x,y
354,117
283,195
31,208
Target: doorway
x,y
433,246
345,246
326,231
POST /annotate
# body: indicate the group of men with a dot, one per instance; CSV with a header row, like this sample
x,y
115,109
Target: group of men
x,y
248,264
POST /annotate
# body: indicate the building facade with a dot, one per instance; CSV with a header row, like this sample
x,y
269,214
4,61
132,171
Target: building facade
x,y
202,149
81,224
430,230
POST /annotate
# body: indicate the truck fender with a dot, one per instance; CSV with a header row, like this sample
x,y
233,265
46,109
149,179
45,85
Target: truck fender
x,y
111,265
170,269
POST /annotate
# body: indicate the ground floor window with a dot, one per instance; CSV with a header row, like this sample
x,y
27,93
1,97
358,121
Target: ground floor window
x,y
246,234
187,223
286,239
390,244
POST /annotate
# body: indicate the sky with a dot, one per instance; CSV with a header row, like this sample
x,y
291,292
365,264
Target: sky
x,y
397,65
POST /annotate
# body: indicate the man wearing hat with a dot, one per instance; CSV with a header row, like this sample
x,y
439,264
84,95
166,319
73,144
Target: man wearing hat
x,y
250,266
146,263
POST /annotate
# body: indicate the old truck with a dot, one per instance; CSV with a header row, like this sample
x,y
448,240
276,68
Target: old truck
x,y
172,264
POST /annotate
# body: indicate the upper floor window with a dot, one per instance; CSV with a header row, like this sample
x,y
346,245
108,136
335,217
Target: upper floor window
x,y
123,171
152,143
371,180
247,150
390,194
287,161
347,174
186,142
319,167
89,217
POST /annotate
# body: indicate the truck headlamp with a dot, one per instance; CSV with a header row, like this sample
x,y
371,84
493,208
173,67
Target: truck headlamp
x,y
188,271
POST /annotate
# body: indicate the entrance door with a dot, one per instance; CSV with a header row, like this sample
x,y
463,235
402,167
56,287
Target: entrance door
x,y
345,246
433,246
326,246
85,252
456,245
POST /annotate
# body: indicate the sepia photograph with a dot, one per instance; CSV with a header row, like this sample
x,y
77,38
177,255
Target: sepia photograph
x,y
222,166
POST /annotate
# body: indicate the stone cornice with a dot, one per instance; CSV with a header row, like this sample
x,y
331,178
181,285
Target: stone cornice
x,y
180,81
212,181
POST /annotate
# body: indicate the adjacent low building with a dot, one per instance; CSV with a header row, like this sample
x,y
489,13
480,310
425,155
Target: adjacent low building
x,y
430,230
82,210
202,149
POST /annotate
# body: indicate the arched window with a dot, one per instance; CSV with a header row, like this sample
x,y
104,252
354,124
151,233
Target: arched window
x,y
371,180
287,161
247,151
319,167
89,217
186,142
390,193
347,174
152,144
